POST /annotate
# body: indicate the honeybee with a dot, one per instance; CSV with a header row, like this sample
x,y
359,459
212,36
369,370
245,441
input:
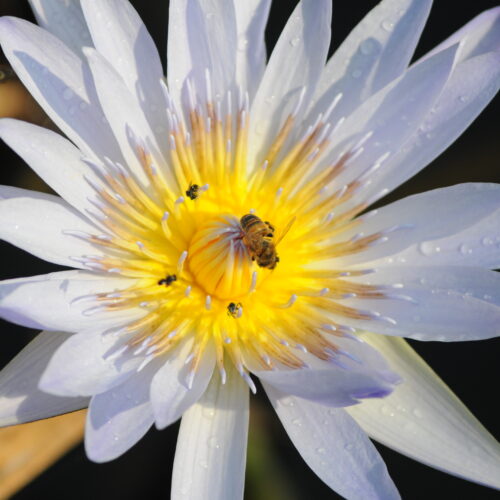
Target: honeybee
x,y
258,238
192,192
168,280
234,310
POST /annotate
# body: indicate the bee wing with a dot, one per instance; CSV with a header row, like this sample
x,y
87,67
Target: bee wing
x,y
285,231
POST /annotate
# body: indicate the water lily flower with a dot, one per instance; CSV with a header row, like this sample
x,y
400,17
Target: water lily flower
x,y
218,222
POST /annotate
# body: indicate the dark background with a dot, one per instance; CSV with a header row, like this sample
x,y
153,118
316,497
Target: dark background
x,y
275,470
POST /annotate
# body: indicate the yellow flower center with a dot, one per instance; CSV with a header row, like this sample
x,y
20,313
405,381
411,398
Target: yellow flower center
x,y
231,254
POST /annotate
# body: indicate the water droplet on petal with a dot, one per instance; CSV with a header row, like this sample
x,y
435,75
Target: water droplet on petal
x,y
426,248
487,241
320,450
348,446
242,44
387,25
208,412
417,413
213,443
366,47
295,41
464,249
356,73
387,411
297,422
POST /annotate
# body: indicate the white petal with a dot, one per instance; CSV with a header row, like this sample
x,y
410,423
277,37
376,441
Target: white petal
x,y
201,36
61,83
8,192
413,220
79,367
363,375
120,417
335,448
392,115
171,395
376,52
20,399
470,88
478,245
211,447
295,65
426,421
123,113
65,20
122,38
251,19
48,301
53,158
36,222
478,36
445,303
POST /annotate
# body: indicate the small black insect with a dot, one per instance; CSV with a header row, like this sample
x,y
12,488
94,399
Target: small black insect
x,y
234,309
192,192
168,280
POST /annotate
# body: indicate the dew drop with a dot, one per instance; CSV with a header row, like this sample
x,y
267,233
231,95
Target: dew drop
x,y
387,25
213,443
426,248
348,446
72,110
297,422
242,44
67,94
464,249
417,413
486,241
82,105
208,412
295,41
356,73
487,297
366,47
462,98
387,411
321,451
